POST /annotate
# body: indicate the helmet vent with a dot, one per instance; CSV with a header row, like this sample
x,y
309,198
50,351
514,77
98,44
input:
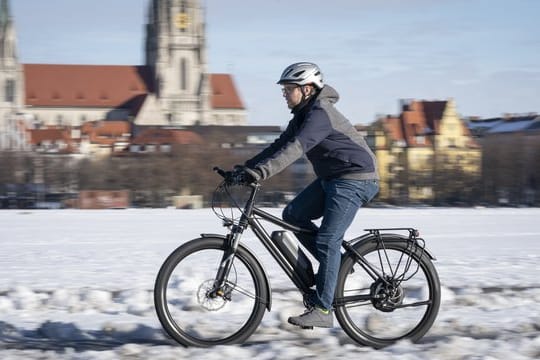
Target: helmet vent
x,y
288,72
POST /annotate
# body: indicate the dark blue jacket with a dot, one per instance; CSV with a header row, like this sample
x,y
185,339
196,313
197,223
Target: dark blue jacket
x,y
331,143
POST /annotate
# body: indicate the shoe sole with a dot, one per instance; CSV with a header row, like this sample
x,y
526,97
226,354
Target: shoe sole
x,y
310,327
300,326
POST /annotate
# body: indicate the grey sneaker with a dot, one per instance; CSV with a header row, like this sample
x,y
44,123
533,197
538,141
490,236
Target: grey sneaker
x,y
313,317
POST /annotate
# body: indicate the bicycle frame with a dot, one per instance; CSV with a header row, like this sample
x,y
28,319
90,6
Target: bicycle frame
x,y
248,219
251,216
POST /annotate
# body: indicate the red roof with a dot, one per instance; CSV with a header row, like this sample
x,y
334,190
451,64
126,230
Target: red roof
x,y
417,121
52,135
106,132
224,95
108,86
84,85
392,126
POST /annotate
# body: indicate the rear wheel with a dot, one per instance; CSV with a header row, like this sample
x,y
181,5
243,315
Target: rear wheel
x,y
402,304
189,307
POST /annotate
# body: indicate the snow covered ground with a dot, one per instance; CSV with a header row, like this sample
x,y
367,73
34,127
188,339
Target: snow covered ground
x,y
78,285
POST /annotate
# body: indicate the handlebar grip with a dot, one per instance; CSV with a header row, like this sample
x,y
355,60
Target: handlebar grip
x,y
219,171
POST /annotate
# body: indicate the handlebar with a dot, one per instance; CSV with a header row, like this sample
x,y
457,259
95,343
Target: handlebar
x,y
220,171
231,179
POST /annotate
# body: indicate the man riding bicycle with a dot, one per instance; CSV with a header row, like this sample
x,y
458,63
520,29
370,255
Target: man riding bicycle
x,y
346,178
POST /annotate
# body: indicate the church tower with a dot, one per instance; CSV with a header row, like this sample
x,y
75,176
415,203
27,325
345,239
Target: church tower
x,y
11,84
175,51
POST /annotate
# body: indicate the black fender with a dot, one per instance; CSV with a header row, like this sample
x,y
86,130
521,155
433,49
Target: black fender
x,y
387,238
246,249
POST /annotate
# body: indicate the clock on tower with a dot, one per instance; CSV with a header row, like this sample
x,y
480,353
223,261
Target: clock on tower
x,y
181,20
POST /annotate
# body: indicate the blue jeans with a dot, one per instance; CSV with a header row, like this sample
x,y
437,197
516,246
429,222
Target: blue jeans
x,y
337,202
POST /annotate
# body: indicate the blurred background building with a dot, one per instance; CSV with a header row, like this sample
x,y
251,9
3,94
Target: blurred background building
x,y
153,132
173,88
426,154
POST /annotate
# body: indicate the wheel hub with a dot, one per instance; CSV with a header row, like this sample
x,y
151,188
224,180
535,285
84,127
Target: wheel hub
x,y
386,295
213,299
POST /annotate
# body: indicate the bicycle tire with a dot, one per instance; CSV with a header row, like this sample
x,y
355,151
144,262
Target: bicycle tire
x,y
379,323
192,318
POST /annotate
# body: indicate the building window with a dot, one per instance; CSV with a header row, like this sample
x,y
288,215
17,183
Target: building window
x,y
10,90
183,74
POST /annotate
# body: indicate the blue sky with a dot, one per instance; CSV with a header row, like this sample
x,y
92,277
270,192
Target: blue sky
x,y
483,53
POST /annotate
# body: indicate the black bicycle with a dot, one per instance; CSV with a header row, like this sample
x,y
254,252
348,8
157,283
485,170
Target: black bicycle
x,y
213,290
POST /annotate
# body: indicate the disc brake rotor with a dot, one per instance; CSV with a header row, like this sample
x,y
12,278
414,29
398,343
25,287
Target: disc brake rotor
x,y
386,295
212,300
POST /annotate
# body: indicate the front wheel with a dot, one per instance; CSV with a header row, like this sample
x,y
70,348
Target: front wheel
x,y
189,307
401,304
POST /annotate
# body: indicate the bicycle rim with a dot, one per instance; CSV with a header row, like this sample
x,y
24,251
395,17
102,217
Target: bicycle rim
x,y
405,310
191,315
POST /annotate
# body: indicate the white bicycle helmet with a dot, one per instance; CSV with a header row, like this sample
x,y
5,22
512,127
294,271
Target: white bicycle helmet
x,y
302,73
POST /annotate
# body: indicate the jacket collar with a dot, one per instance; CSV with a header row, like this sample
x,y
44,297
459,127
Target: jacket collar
x,y
326,93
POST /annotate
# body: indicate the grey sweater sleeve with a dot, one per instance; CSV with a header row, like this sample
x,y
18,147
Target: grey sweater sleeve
x,y
296,142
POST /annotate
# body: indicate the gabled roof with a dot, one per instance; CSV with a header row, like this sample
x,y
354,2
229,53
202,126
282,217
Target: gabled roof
x,y
224,94
108,86
417,121
433,113
105,86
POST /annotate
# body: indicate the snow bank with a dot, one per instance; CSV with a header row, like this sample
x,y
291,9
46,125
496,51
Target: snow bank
x,y
78,285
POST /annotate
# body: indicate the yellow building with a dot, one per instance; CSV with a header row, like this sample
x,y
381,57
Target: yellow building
x,y
426,154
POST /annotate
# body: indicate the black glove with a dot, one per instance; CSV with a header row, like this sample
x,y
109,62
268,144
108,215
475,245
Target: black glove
x,y
242,175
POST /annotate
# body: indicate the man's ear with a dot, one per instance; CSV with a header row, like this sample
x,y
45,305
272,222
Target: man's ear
x,y
307,90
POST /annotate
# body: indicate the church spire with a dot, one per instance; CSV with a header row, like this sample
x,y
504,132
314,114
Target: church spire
x,y
176,54
7,35
5,16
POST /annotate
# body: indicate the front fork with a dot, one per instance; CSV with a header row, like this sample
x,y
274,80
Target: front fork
x,y
220,288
